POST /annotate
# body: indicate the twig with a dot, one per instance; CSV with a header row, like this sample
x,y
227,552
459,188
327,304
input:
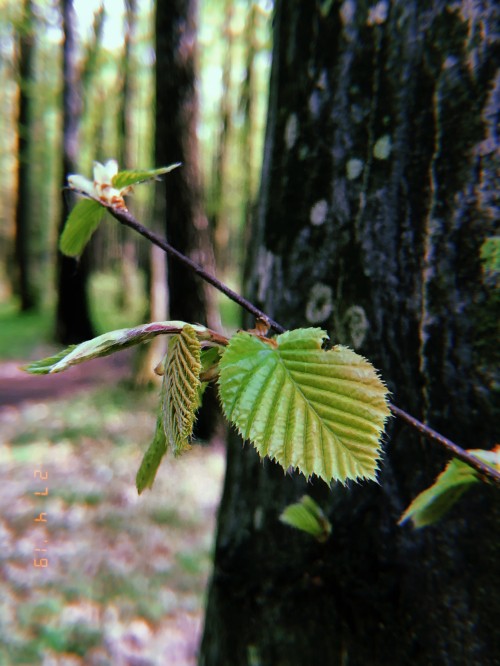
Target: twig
x,y
481,467
125,217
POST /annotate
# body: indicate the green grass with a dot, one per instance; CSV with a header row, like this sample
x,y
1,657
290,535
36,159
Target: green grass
x,y
21,333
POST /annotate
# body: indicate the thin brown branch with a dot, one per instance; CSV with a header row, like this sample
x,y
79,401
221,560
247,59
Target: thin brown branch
x,y
482,468
125,217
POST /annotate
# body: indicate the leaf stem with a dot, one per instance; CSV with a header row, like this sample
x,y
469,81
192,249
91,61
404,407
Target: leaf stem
x,y
125,217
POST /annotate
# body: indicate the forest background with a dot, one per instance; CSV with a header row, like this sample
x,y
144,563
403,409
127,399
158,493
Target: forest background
x,y
115,66
107,51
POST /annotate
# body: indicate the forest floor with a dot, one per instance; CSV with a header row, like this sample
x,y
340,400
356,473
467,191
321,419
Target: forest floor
x,y
121,578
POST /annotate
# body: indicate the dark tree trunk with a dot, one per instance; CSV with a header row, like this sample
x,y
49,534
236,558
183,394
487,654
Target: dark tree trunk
x,y
377,193
73,320
176,141
218,203
25,280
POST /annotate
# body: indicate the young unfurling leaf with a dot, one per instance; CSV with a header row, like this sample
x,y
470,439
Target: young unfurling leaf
x,y
431,504
109,343
179,400
80,225
133,177
152,458
307,516
108,187
181,381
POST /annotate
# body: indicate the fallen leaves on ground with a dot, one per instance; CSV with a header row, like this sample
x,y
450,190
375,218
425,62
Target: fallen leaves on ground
x,y
126,575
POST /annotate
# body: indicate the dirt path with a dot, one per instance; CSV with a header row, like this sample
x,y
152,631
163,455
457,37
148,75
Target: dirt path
x,y
17,387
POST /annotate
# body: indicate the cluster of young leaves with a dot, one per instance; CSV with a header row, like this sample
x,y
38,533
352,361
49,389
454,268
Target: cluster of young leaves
x,y
89,212
319,411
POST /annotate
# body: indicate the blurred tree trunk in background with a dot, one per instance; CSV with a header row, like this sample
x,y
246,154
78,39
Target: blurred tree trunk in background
x,y
93,101
73,320
248,101
218,209
181,209
179,202
378,191
248,98
26,281
126,89
128,261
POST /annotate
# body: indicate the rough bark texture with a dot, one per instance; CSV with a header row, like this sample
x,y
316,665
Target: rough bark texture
x,y
176,141
72,318
378,190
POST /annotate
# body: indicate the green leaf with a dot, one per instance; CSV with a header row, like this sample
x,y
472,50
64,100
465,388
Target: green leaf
x,y
80,225
109,343
44,366
152,458
490,254
210,358
322,412
132,177
431,504
181,381
307,516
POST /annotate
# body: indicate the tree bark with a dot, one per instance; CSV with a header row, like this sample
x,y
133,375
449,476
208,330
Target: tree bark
x,y
377,193
73,323
180,207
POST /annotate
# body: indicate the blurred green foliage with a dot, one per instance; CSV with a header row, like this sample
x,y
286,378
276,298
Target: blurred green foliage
x,y
21,334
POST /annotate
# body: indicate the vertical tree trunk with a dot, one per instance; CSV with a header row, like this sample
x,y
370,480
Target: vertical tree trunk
x,y
377,193
128,261
73,321
126,89
176,141
220,164
26,281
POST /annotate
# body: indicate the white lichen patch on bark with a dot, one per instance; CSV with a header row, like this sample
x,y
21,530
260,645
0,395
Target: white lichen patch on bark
x,y
382,147
319,304
318,213
378,13
356,323
291,131
347,12
315,104
354,168
258,518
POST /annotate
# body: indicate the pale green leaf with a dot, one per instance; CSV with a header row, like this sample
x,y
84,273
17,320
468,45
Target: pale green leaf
x,y
431,504
210,363
181,383
44,366
133,177
152,458
109,343
80,225
307,516
322,412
